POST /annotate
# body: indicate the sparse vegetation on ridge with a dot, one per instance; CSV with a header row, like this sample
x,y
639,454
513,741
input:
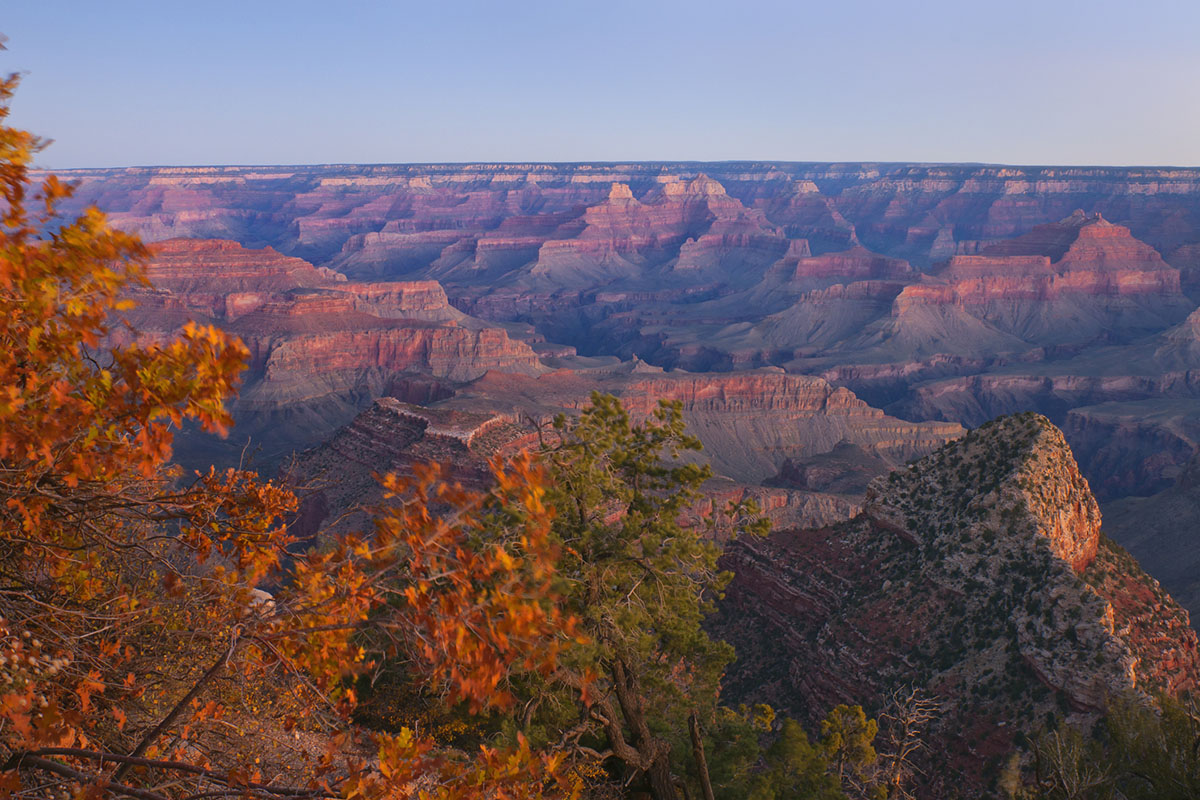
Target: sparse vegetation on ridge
x,y
975,573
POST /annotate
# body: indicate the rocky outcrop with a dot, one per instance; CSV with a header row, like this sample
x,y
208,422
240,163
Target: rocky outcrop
x,y
848,266
750,422
1015,295
184,265
301,323
686,229
424,300
394,436
321,347
1089,255
221,279
978,574
323,367
390,253
457,353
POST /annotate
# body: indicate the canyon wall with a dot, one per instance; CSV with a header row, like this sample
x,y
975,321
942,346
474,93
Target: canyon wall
x,y
921,212
751,425
321,347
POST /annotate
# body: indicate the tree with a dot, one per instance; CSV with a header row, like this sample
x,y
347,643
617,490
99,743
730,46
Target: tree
x,y
641,582
1144,748
847,738
795,768
1069,767
908,713
641,575
1156,746
158,638
732,741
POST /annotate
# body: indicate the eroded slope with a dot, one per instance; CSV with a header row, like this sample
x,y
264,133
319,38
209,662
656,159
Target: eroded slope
x,y
978,574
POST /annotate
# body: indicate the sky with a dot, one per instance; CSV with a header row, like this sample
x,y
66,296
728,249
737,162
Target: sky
x,y
175,82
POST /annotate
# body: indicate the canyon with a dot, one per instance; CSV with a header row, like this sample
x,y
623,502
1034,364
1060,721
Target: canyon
x,y
755,426
324,348
949,293
839,336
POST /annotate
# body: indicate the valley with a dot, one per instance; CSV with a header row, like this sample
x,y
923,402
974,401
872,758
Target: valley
x,y
839,337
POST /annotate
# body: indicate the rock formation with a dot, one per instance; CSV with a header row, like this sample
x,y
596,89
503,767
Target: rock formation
x,y
321,347
858,263
750,423
393,436
978,574
1083,269
509,240
922,213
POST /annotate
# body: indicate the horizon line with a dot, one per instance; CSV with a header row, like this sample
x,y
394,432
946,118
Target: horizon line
x,y
623,162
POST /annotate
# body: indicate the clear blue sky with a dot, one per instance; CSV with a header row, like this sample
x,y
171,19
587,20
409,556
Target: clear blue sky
x,y
122,82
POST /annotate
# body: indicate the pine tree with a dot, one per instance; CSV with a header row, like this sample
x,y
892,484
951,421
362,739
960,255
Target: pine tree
x,y
641,581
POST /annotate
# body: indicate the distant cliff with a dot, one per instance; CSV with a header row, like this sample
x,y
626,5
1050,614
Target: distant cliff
x,y
751,424
920,212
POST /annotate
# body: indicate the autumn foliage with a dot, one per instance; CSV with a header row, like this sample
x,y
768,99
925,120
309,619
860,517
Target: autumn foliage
x,y
161,635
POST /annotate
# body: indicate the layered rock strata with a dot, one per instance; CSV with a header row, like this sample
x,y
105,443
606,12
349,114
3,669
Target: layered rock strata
x,y
750,423
321,347
729,266
923,212
1082,269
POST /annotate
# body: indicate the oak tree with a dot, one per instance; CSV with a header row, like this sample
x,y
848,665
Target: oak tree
x,y
159,638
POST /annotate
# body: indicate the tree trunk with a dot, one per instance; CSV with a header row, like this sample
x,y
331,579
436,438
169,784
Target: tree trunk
x,y
661,785
655,753
698,752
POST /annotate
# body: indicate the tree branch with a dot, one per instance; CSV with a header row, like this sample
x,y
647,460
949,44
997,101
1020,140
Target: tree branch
x,y
169,766
26,761
162,726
